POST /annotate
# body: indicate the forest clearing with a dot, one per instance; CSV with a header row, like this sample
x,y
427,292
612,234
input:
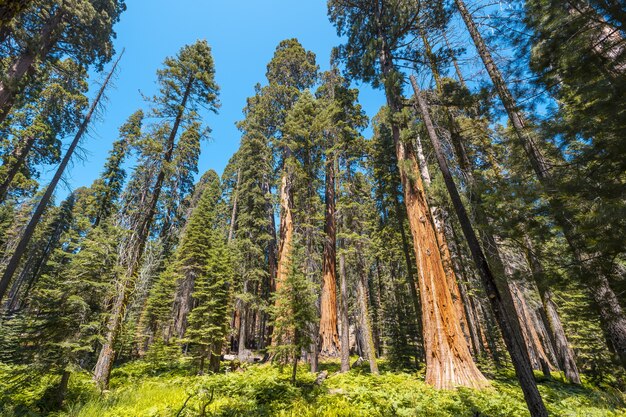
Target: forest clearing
x,y
423,215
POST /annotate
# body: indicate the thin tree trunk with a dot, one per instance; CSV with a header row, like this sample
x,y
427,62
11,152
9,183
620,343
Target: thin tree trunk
x,y
233,216
612,315
18,158
328,332
132,262
32,224
343,311
507,324
294,370
366,321
562,348
23,64
61,390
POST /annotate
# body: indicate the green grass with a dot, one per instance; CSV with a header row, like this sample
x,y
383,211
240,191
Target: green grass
x,y
265,390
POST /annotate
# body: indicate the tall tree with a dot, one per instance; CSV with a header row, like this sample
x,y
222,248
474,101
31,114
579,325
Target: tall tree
x,y
291,70
382,27
612,315
186,83
108,187
82,30
30,228
508,324
34,131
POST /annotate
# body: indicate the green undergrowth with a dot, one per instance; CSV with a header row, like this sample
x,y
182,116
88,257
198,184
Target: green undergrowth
x,y
265,390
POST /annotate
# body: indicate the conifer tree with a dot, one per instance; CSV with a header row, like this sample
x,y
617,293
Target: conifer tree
x,y
186,83
82,30
595,275
383,27
34,132
108,187
30,228
255,234
285,87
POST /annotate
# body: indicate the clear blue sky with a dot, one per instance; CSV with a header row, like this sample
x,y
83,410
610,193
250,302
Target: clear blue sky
x,y
243,35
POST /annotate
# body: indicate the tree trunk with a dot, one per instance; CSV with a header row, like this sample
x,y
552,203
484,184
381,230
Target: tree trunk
x,y
45,199
612,315
564,353
183,304
345,324
214,359
467,302
201,366
286,234
233,216
23,64
538,357
366,321
17,159
294,370
61,391
131,262
438,216
448,360
329,336
507,324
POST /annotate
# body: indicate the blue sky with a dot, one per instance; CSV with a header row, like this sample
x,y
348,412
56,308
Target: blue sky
x,y
243,35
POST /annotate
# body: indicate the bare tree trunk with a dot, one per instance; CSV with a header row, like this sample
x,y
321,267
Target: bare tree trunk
x,y
328,332
612,315
286,235
45,199
538,358
507,324
438,216
448,360
366,321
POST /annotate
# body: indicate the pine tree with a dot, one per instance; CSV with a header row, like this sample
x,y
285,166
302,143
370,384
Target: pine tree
x,y
294,313
596,276
30,228
33,133
204,259
285,88
186,83
108,187
82,30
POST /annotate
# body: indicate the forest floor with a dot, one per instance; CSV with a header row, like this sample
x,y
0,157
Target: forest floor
x,y
140,389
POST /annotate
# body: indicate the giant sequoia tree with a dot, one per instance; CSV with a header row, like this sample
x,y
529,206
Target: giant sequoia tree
x,y
291,70
382,26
